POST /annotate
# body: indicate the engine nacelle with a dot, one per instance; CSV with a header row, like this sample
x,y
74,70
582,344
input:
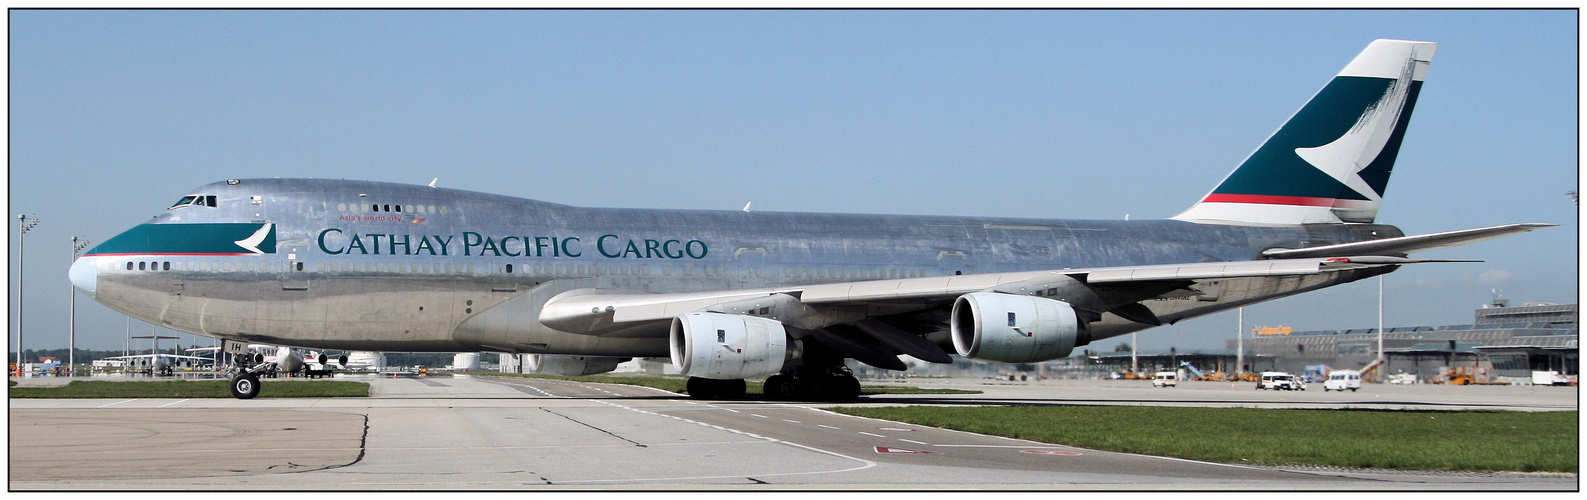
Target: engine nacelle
x,y
1015,328
727,346
572,366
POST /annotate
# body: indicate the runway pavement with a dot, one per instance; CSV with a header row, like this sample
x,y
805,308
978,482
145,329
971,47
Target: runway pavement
x,y
505,433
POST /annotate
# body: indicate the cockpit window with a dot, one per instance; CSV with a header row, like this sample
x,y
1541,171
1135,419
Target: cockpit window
x,y
199,200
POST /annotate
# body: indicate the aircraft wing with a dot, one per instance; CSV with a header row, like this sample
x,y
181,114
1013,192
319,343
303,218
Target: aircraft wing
x,y
1106,289
169,356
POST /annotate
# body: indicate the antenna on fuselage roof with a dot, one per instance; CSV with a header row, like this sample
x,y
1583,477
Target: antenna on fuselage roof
x,y
432,181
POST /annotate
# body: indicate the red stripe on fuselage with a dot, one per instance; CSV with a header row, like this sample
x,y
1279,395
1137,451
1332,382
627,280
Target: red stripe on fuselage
x,y
1302,201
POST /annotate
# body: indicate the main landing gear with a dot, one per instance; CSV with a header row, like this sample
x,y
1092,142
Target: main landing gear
x,y
707,388
805,383
814,383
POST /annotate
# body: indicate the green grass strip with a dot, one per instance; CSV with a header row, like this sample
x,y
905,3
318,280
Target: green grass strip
x,y
193,389
678,384
1382,439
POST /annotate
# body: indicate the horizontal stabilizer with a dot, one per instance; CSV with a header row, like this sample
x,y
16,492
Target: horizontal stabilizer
x,y
1404,245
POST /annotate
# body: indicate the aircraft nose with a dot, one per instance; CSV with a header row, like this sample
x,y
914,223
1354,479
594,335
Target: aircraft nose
x,y
85,275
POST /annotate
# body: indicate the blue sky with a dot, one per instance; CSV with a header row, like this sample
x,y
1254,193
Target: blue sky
x,y
1053,114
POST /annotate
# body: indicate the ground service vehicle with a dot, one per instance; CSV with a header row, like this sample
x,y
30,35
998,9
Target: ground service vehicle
x,y
1339,380
1280,381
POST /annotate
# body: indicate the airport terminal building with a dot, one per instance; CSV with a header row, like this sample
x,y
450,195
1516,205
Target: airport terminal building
x,y
1503,345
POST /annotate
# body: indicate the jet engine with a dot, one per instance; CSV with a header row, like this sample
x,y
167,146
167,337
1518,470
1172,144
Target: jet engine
x,y
1015,328
572,366
727,346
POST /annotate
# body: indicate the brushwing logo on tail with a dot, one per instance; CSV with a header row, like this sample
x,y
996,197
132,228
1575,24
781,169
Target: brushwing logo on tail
x,y
1331,161
1346,157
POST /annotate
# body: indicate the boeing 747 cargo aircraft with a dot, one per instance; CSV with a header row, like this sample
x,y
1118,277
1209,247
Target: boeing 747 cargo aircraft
x,y
735,295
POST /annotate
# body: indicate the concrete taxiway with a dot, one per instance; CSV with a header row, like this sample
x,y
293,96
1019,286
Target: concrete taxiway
x,y
508,433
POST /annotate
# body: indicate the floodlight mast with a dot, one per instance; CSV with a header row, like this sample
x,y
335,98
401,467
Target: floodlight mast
x,y
25,224
1381,357
71,322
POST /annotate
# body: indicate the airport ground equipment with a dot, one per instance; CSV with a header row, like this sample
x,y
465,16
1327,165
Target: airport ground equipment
x,y
1316,373
1280,381
1341,380
1370,368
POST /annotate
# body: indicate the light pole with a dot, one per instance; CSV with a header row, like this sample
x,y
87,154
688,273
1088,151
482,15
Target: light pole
x,y
71,322
1239,344
26,224
1381,358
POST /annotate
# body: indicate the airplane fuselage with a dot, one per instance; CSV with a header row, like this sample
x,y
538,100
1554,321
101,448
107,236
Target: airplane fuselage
x,y
373,266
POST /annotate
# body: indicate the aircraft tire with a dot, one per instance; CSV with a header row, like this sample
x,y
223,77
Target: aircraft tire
x,y
705,388
731,389
700,388
847,389
245,386
780,388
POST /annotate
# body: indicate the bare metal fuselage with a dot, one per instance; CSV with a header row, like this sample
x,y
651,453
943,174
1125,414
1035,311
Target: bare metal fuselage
x,y
385,267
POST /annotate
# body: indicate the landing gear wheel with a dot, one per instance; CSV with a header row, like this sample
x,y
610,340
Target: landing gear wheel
x,y
731,389
244,386
845,389
700,388
705,388
780,388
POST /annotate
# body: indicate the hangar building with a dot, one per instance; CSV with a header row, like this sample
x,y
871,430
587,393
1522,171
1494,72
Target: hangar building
x,y
1503,344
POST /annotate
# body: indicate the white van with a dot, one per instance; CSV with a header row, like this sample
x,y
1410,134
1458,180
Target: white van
x,y
1280,381
1339,380
1165,379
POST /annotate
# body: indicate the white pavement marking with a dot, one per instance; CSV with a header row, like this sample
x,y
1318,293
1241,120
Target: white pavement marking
x,y
116,403
873,435
754,415
829,427
865,464
913,441
173,402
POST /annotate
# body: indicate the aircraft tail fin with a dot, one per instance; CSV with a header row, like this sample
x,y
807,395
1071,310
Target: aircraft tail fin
x,y
1330,162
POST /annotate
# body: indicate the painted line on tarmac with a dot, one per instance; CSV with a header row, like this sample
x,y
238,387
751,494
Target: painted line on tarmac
x,y
172,403
116,403
864,464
